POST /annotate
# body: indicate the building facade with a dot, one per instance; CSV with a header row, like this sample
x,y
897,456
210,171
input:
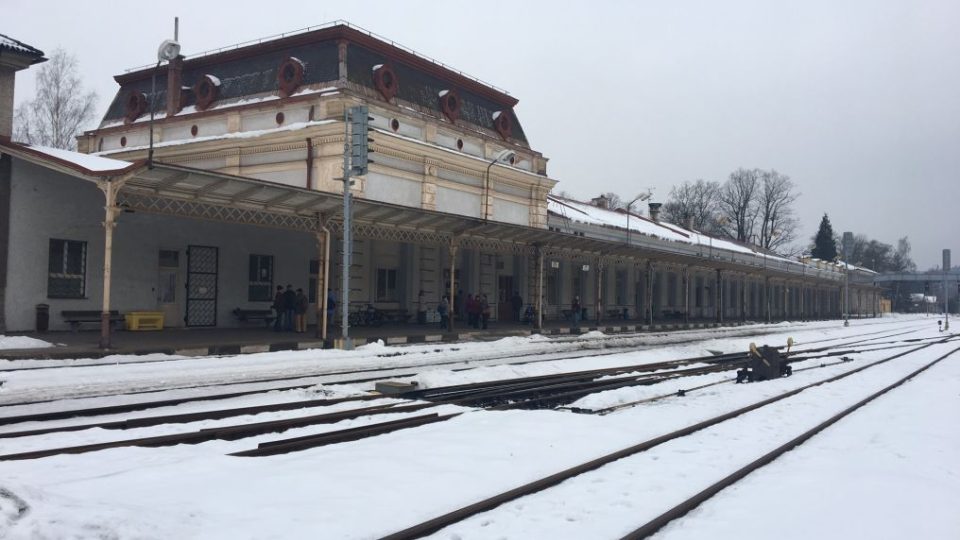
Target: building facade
x,y
242,191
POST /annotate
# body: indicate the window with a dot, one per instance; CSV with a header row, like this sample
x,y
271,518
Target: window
x,y
67,268
261,278
699,292
386,285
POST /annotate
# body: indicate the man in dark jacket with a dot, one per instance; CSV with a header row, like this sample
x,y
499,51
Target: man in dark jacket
x,y
517,304
278,309
289,307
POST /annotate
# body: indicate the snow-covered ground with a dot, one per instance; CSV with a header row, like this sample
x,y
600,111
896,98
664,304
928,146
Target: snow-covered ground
x,y
22,342
888,471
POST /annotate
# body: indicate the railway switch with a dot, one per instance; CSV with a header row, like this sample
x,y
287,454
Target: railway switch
x,y
765,363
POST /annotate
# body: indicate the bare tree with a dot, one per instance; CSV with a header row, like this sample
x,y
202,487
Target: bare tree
x,y
61,108
694,203
775,210
614,201
738,203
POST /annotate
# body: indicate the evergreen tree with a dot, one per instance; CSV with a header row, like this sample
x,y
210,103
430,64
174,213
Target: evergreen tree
x,y
824,244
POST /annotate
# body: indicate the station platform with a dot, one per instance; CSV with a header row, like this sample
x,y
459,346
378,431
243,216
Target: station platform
x,y
230,341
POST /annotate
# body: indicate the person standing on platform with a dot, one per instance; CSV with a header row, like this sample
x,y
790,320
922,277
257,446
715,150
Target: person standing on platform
x,y
516,302
278,309
289,307
575,313
300,316
475,310
484,311
443,309
331,306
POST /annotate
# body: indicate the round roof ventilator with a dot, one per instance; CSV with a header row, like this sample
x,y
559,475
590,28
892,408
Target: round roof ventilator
x,y
503,122
290,76
450,104
136,106
206,90
385,81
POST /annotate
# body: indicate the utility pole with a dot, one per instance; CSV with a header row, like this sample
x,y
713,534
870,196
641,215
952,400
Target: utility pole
x,y
356,125
847,247
946,294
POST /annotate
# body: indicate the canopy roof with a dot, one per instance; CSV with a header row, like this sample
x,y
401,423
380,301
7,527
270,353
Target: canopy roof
x,y
202,194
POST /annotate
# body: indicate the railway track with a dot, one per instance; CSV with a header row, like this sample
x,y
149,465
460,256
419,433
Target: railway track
x,y
391,373
440,522
527,392
432,394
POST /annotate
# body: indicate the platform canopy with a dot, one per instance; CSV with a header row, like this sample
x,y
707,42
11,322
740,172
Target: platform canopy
x,y
177,190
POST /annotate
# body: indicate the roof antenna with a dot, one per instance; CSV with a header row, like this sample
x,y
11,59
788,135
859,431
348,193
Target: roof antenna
x,y
169,49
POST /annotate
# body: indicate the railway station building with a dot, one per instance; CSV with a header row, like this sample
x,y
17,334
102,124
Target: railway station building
x,y
243,192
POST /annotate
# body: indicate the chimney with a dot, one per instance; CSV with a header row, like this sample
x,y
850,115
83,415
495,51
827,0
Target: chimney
x,y
600,202
655,211
14,56
174,86
688,223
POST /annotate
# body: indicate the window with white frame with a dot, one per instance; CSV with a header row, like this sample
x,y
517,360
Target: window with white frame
x,y
386,285
67,269
260,288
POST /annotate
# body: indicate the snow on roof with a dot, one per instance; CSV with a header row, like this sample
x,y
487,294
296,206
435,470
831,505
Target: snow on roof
x,y
219,106
7,42
235,135
87,161
586,213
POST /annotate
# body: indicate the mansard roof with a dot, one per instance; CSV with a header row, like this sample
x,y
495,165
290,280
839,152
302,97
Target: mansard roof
x,y
250,73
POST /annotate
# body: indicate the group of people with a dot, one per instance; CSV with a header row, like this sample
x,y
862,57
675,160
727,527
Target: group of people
x,y
477,309
290,307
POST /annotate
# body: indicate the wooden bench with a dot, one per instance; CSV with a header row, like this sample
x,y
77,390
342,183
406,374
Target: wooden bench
x,y
669,314
77,317
244,315
618,313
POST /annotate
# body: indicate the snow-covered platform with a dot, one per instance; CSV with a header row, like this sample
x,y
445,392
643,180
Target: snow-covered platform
x,y
221,341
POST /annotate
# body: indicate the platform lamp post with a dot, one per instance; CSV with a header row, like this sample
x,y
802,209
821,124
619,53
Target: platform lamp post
x,y
641,197
168,51
847,247
946,295
504,157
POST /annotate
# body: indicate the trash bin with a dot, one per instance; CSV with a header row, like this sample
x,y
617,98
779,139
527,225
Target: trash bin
x,y
43,317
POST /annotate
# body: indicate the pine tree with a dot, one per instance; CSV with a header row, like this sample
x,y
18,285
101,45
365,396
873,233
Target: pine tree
x,y
824,244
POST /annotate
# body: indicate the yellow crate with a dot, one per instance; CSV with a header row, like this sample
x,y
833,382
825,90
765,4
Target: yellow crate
x,y
144,320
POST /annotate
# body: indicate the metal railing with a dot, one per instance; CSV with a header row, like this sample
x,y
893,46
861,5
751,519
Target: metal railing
x,y
338,22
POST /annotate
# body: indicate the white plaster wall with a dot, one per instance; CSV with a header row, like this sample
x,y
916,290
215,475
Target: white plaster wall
x,y
392,189
295,176
511,212
49,205
458,202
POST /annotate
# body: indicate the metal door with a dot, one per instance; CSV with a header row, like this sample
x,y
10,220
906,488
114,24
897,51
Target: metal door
x,y
202,264
168,290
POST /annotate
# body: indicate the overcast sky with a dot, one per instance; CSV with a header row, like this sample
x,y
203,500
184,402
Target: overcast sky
x,y
858,102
